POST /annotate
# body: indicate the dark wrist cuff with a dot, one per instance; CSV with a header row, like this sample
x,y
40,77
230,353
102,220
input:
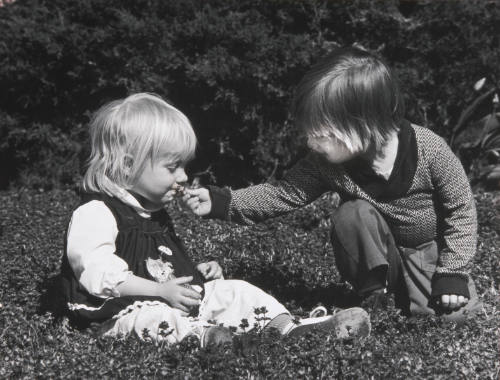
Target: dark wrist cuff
x,y
221,198
450,283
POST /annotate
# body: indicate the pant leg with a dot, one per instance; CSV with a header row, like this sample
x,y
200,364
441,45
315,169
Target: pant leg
x,y
228,302
419,265
363,242
365,251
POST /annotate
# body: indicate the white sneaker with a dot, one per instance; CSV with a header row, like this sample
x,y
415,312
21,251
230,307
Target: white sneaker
x,y
347,323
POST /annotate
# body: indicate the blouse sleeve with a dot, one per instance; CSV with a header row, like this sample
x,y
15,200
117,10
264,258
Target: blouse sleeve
x,y
91,250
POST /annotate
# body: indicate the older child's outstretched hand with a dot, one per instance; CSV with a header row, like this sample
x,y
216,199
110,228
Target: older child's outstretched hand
x,y
198,201
211,270
452,302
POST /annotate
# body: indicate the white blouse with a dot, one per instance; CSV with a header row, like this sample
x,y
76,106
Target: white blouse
x,y
91,246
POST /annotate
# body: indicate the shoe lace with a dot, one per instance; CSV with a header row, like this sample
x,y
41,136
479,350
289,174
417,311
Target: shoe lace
x,y
319,311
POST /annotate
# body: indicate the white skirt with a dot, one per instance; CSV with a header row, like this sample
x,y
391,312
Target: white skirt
x,y
226,302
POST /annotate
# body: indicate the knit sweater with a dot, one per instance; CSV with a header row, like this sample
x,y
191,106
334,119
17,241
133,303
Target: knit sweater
x,y
437,205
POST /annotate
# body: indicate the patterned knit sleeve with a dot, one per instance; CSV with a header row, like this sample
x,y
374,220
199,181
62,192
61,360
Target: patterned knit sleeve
x,y
458,224
300,186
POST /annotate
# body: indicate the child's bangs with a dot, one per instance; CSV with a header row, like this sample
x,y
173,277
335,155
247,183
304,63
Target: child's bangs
x,y
323,115
173,136
158,130
175,140
352,96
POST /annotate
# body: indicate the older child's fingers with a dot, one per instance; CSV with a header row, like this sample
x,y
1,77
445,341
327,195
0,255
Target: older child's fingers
x,y
445,301
196,192
463,300
193,202
453,301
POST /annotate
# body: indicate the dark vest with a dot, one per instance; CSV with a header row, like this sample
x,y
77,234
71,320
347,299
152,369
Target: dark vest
x,y
139,240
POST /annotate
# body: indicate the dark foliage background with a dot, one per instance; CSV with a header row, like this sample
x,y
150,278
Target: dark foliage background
x,y
230,65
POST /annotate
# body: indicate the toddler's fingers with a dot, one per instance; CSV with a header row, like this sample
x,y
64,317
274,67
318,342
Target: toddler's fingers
x,y
218,274
202,267
192,295
183,280
189,303
205,272
181,307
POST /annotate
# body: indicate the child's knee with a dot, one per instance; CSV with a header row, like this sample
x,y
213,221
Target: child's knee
x,y
353,210
353,213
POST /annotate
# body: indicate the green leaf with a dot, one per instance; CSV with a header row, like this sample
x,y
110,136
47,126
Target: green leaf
x,y
491,130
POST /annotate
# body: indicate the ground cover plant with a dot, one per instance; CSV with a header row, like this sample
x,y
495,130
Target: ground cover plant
x,y
289,256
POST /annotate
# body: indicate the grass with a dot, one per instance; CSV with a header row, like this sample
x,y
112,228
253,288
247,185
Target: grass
x,y
289,257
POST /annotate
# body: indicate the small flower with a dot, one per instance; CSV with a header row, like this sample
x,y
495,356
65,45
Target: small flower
x,y
244,324
260,310
163,325
145,334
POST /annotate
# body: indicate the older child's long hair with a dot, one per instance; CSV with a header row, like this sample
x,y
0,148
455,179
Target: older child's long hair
x,y
126,133
350,95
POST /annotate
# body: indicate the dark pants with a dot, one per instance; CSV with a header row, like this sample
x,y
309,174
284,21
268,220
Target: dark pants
x,y
368,258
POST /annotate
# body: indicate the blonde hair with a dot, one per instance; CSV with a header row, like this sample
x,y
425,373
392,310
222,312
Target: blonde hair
x,y
352,96
126,133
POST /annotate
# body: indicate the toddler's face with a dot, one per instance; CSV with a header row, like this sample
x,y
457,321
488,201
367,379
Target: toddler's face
x,y
158,180
331,149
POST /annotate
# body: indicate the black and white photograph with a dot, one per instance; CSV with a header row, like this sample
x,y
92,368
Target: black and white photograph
x,y
250,189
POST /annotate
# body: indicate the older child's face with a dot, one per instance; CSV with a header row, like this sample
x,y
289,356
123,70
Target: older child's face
x,y
331,149
156,181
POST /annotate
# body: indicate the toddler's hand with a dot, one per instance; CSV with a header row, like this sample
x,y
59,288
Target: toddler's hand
x,y
198,200
211,270
178,296
452,302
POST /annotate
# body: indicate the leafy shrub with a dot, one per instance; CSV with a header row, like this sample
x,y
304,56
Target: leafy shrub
x,y
229,65
479,147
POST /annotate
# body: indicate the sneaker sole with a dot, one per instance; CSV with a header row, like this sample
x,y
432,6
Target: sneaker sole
x,y
215,336
348,323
